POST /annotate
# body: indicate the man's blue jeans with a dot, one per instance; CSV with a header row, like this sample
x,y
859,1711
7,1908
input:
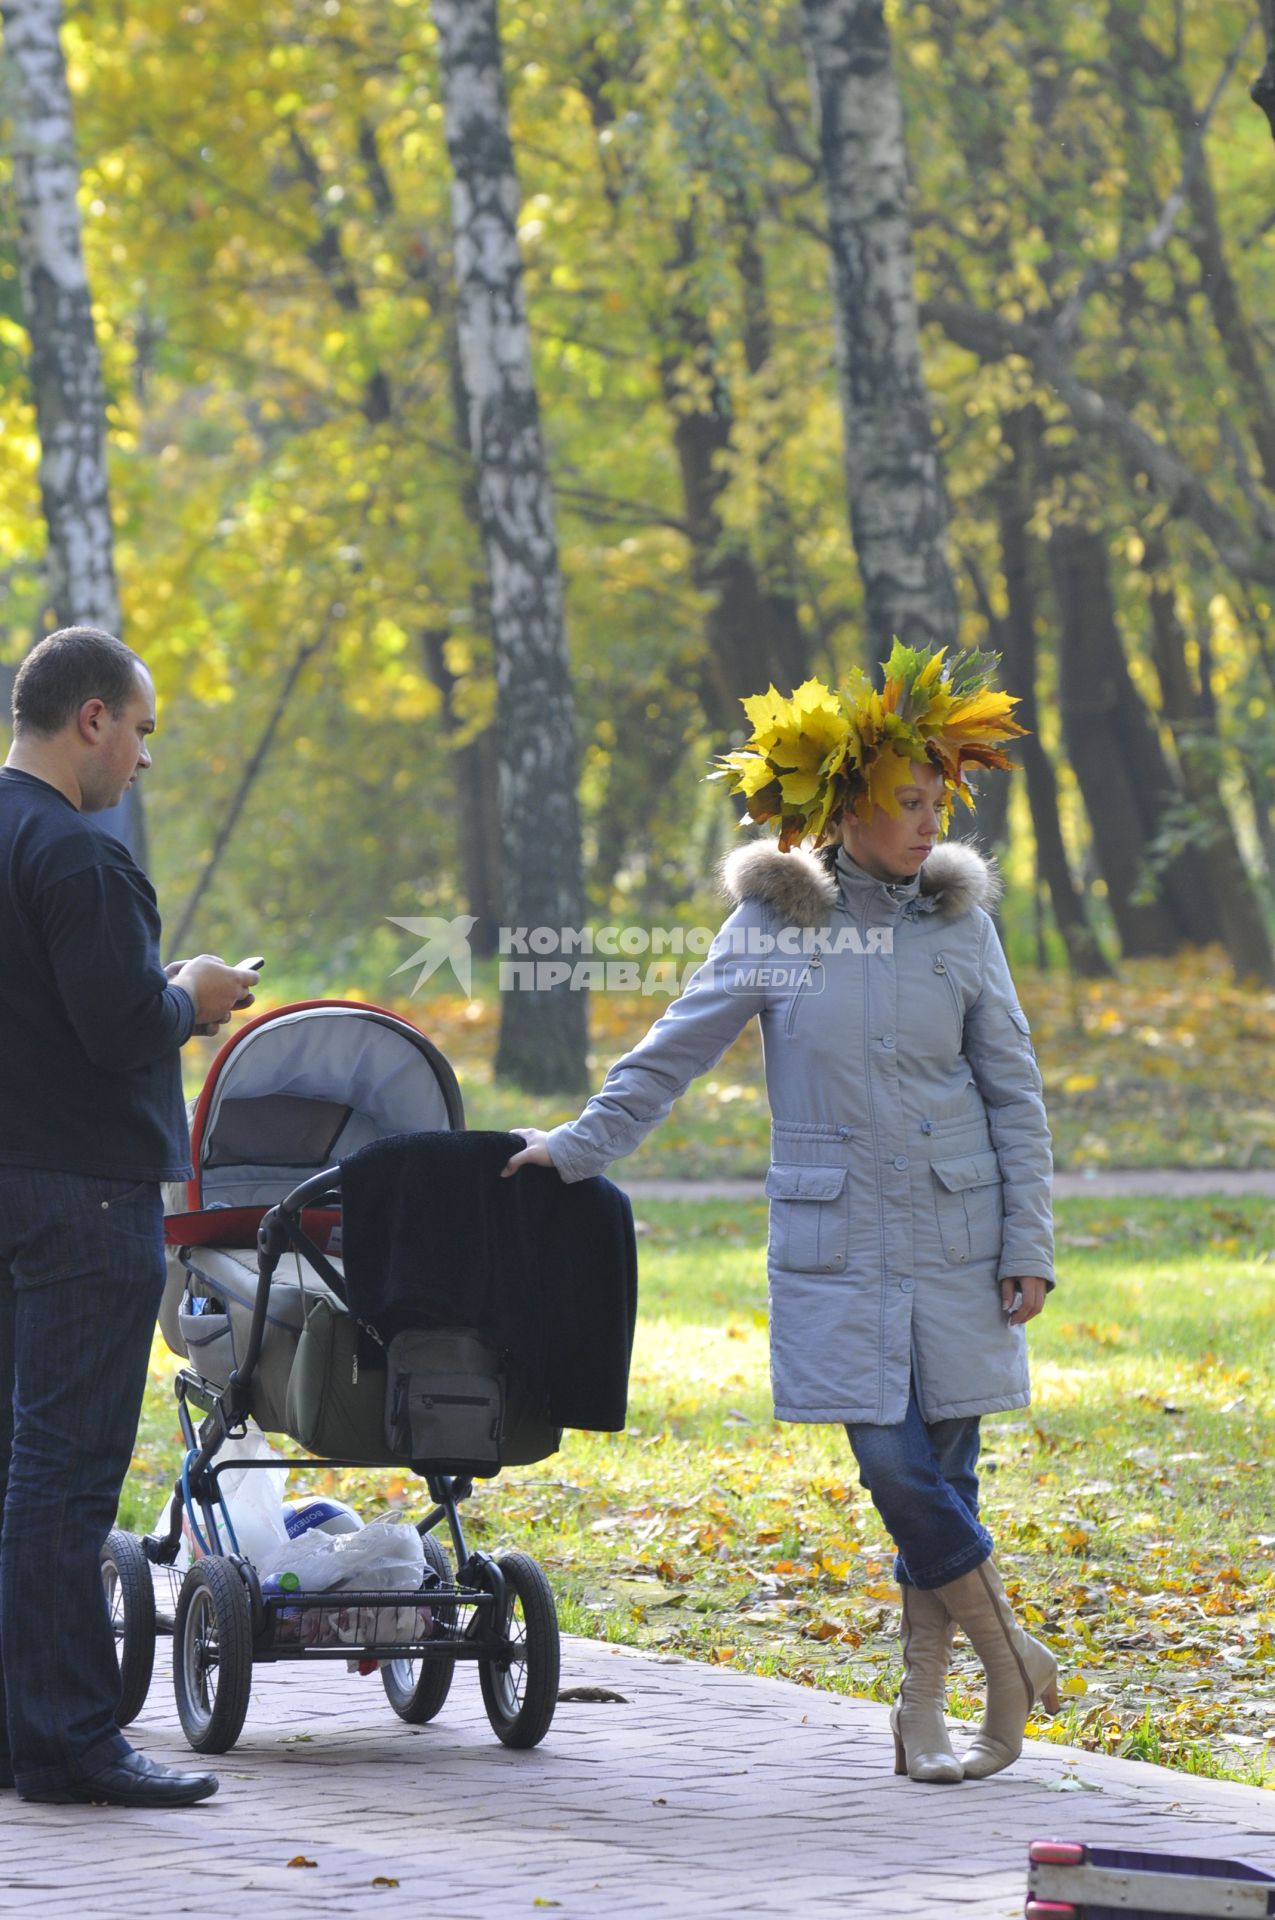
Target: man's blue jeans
x,y
923,1479
81,1274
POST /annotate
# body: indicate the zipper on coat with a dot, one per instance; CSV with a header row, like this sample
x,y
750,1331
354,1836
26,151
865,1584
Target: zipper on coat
x,y
872,1126
794,1005
940,966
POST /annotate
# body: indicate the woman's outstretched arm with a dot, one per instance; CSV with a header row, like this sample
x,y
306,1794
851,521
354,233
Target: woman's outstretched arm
x,y
718,1002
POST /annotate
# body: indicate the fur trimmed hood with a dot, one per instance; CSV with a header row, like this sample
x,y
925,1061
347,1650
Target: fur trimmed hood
x,y
799,887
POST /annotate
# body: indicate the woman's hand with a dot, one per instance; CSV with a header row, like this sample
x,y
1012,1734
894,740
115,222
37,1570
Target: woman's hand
x,y
534,1154
1032,1290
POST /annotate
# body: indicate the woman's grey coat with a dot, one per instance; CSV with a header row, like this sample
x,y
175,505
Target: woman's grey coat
x,y
910,1160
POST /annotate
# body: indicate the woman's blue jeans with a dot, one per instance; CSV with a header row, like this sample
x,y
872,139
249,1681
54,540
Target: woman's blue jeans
x,y
81,1273
923,1479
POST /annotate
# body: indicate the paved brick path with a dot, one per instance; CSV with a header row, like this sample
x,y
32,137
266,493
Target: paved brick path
x,y
704,1793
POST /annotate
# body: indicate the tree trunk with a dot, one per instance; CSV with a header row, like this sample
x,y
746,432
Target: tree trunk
x,y
1263,88
776,561
1241,924
753,632
1203,231
752,637
66,367
1222,292
543,1033
1261,793
1094,692
248,776
1016,637
898,504
476,811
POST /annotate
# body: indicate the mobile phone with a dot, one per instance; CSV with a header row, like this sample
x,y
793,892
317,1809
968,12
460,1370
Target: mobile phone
x,y
254,966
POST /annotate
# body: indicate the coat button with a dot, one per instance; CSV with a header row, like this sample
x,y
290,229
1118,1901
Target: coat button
x,y
927,1126
887,1041
906,1286
901,1160
843,1133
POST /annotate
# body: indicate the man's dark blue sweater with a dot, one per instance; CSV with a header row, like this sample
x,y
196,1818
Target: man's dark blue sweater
x,y
90,1074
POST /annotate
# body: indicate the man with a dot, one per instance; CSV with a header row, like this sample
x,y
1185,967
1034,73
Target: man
x,y
91,1121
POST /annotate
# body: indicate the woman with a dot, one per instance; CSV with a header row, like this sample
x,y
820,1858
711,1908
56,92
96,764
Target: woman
x,y
909,1186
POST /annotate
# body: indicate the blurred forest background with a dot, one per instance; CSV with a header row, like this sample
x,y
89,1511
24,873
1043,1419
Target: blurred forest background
x,y
290,511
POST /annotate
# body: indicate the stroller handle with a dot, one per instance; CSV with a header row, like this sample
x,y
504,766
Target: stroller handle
x,y
312,1191
275,1234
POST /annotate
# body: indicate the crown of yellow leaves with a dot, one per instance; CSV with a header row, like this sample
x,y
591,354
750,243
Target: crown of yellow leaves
x,y
820,753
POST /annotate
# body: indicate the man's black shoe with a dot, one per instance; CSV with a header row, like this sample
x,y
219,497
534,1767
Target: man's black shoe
x,y
133,1781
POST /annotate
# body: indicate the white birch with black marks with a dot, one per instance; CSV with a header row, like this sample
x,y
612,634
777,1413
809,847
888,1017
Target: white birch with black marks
x,y
542,1034
894,481
65,365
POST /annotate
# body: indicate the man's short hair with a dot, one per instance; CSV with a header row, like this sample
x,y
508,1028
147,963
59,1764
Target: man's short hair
x,y
66,669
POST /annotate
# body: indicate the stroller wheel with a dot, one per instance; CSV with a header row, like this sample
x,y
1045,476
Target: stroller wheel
x,y
212,1655
416,1689
520,1687
130,1601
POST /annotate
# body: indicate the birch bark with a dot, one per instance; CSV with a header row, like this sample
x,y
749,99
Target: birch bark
x,y
898,504
543,1034
66,367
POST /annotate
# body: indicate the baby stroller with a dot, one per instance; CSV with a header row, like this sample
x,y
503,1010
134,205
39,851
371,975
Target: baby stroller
x,y
290,1093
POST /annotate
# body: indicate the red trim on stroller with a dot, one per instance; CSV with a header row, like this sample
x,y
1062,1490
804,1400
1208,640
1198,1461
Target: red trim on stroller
x,y
237,1226
194,1193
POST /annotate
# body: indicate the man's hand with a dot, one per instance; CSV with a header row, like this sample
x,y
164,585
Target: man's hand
x,y
534,1154
216,990
1030,1292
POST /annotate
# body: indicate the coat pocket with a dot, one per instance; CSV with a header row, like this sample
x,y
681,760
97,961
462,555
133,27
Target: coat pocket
x,y
809,1218
967,1200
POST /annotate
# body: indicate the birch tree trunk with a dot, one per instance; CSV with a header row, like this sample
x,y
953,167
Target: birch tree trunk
x,y
66,368
543,1034
898,505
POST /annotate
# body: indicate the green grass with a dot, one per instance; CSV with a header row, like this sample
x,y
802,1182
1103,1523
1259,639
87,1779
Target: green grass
x,y
1133,1504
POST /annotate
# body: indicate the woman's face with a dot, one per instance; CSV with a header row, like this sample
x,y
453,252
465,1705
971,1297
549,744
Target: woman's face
x,y
894,847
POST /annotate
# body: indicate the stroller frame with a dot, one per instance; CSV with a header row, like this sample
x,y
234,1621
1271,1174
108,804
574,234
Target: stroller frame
x,y
472,1612
493,1611
479,1581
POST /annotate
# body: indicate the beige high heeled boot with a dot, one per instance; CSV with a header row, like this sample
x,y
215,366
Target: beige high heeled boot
x,y
1019,1670
922,1748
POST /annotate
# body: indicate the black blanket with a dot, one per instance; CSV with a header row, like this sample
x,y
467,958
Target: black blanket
x,y
545,1272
